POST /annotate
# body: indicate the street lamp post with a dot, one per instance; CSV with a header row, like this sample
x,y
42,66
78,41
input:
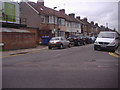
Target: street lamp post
x,y
107,25
54,20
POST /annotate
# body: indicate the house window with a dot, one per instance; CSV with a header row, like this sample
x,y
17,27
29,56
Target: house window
x,y
42,19
77,25
56,21
68,24
51,19
73,25
61,21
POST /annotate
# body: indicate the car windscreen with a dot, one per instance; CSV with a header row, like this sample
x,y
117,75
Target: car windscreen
x,y
73,36
55,38
106,35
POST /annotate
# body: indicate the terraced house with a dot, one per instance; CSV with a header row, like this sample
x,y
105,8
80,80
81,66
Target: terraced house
x,y
49,22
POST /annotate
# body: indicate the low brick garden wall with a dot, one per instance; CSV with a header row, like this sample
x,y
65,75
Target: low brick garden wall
x,y
18,40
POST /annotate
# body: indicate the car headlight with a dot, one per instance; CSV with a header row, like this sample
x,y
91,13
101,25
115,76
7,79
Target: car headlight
x,y
96,43
112,43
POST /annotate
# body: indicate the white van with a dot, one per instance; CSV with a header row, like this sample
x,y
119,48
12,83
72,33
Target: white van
x,y
106,40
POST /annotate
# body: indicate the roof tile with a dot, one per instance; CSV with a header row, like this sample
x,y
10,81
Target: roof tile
x,y
48,11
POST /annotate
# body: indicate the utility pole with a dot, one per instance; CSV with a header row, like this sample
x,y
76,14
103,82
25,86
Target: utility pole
x,y
54,21
107,25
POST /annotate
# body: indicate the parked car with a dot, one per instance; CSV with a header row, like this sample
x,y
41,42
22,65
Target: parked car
x,y
77,40
59,42
106,40
88,40
93,39
83,39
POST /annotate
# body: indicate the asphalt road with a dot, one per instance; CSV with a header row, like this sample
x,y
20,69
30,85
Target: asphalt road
x,y
76,67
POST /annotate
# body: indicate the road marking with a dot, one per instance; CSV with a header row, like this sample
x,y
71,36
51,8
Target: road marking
x,y
23,54
113,54
4,56
57,55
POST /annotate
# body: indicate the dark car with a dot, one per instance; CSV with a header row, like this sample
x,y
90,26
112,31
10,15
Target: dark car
x,y
93,39
76,40
89,40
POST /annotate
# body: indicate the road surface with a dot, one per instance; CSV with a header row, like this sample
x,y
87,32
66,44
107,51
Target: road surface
x,y
76,67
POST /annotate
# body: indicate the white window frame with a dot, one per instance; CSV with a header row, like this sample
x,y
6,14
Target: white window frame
x,y
61,21
56,20
42,19
78,25
51,19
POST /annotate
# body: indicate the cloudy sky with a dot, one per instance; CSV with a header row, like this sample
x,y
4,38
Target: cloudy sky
x,y
99,11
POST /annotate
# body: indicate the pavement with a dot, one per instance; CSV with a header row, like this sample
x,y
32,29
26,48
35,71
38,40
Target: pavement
x,y
23,51
118,51
38,48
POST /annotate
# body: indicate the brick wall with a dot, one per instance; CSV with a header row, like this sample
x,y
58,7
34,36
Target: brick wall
x,y
36,31
15,40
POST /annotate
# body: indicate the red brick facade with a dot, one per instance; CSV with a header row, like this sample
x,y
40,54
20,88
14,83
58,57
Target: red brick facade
x,y
15,40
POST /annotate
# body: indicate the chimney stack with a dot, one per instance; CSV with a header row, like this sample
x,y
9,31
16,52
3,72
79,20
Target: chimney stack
x,y
96,24
92,22
78,17
40,2
101,26
85,19
62,10
72,15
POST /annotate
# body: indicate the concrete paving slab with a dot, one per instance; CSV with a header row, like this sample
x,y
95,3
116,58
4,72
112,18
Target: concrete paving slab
x,y
118,51
21,51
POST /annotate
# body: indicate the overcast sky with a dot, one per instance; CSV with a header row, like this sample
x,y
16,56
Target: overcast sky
x,y
99,11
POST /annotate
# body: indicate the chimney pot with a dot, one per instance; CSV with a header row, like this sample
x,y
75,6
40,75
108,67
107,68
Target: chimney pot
x,y
96,24
62,10
78,17
72,15
85,19
92,22
40,2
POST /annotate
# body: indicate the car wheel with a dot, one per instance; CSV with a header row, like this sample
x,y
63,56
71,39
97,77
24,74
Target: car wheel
x,y
113,50
69,45
95,48
84,43
61,46
78,43
49,47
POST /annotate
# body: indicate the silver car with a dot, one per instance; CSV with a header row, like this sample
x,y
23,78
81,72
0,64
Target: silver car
x,y
59,42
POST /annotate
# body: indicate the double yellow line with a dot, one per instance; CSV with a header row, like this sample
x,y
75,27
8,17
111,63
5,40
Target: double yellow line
x,y
114,55
24,53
